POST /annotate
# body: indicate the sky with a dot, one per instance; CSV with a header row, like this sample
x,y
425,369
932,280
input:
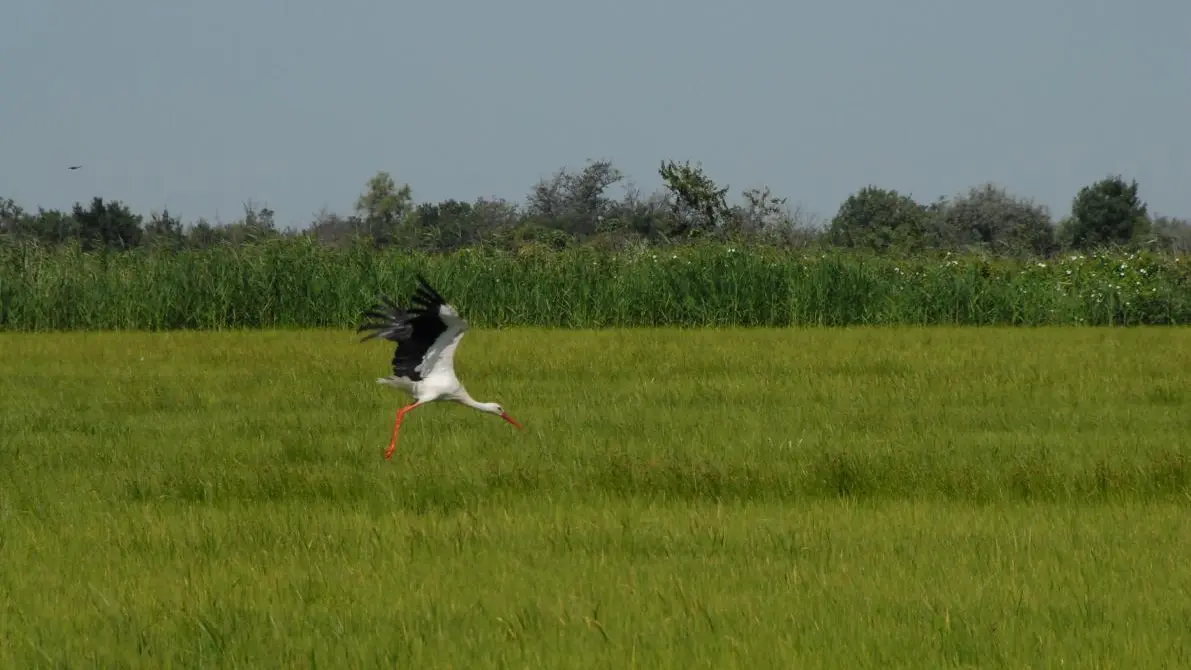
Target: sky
x,y
203,106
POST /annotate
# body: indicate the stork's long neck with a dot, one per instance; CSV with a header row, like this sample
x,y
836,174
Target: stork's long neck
x,y
465,399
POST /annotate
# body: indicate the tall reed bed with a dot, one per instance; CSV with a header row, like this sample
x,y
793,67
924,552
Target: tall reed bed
x,y
298,283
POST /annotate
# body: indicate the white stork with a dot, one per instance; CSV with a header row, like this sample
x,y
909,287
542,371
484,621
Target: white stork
x,y
427,335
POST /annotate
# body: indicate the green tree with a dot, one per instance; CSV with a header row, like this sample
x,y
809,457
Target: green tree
x,y
335,230
881,219
203,235
54,226
989,217
15,222
446,226
698,203
1106,213
572,202
107,225
258,223
383,208
164,231
762,212
1172,234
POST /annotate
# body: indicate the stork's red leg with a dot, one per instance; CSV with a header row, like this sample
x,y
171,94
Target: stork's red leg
x,y
397,425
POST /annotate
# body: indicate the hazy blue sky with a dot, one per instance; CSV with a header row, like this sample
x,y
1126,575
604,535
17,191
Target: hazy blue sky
x,y
204,105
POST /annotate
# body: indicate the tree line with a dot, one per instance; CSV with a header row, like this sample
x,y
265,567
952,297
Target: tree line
x,y
575,207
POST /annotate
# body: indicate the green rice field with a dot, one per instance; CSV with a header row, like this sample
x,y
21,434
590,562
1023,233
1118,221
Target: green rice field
x,y
909,497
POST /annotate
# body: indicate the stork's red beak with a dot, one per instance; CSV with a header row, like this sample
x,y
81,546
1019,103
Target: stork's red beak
x,y
506,417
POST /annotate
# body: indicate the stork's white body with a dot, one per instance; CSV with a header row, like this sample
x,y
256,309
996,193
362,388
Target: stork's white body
x,y
427,337
438,366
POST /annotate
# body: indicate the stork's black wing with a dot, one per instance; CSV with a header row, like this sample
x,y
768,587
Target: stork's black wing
x,y
414,329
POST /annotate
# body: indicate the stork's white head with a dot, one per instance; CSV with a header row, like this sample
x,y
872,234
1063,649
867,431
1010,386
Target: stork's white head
x,y
495,408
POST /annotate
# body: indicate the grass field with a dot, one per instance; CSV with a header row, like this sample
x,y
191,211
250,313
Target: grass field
x,y
912,497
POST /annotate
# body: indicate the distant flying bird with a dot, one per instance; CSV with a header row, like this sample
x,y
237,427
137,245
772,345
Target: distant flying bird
x,y
427,335
74,167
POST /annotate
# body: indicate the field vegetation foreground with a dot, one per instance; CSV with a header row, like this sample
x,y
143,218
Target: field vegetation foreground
x,y
909,497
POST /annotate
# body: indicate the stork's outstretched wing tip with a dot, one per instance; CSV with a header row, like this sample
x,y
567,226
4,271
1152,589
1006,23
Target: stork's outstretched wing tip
x,y
424,287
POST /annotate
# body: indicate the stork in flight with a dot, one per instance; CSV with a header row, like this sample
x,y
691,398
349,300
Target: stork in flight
x,y
427,335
